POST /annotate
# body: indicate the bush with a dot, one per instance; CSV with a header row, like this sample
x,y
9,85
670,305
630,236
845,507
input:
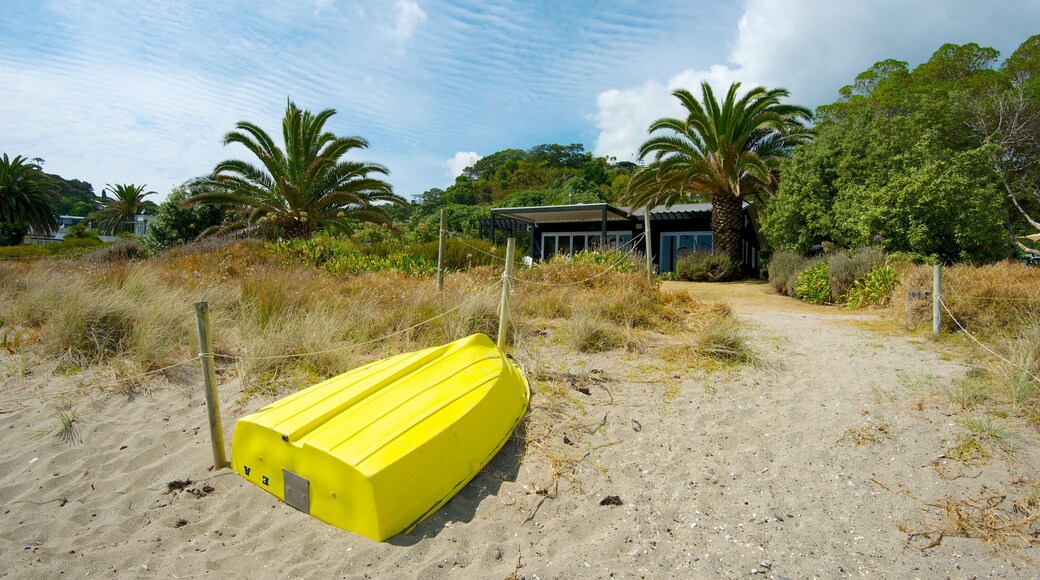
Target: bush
x,y
123,250
701,266
784,267
338,257
16,252
873,289
847,267
12,234
75,247
80,232
814,284
462,254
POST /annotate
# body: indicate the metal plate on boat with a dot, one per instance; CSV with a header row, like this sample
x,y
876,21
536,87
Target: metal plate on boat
x,y
297,491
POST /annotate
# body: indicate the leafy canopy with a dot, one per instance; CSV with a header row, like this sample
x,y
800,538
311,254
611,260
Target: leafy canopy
x,y
297,190
26,195
726,151
898,161
116,212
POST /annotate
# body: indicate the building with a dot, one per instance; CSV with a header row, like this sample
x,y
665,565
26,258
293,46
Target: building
x,y
138,226
566,229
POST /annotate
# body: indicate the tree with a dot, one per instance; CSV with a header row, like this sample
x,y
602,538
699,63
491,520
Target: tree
x,y
26,195
175,224
116,212
300,189
928,161
728,151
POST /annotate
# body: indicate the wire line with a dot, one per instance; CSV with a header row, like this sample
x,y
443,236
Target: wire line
x,y
984,347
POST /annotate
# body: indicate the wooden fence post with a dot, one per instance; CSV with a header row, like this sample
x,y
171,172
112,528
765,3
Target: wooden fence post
x,y
507,283
646,235
440,249
209,377
936,298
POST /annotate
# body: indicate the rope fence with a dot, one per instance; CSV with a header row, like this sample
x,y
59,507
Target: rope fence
x,y
982,345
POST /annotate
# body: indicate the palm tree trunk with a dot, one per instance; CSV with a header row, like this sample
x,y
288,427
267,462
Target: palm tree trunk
x,y
727,219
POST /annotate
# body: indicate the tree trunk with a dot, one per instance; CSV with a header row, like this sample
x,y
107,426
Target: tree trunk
x,y
727,219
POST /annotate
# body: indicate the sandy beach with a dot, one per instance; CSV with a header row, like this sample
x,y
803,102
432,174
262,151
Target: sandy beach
x,y
827,460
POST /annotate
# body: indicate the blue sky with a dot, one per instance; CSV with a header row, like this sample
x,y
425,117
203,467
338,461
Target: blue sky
x,y
135,92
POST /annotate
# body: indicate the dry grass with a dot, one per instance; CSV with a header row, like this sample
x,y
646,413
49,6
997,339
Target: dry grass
x,y
990,517
139,316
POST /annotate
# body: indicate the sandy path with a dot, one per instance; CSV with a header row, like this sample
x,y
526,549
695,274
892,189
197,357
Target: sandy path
x,y
726,474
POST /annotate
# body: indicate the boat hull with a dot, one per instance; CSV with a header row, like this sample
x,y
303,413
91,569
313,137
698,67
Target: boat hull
x,y
380,448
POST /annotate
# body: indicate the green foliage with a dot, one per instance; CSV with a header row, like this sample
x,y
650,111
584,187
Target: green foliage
x,y
873,289
299,189
784,266
462,254
12,234
75,247
123,250
725,150
847,267
80,232
26,195
75,197
814,284
606,258
24,251
341,257
176,224
117,211
463,222
900,161
702,266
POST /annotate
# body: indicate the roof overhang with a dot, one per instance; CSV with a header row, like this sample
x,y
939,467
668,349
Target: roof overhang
x,y
582,212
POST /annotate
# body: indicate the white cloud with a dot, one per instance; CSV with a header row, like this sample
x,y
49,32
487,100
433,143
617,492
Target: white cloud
x,y
813,48
322,5
624,115
461,161
408,15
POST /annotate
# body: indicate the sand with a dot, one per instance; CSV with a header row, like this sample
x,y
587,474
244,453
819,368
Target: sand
x,y
817,465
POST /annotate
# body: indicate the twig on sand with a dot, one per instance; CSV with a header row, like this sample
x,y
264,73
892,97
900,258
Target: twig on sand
x,y
599,425
544,492
885,487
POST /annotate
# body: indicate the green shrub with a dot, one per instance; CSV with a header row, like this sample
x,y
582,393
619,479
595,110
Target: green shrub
x,y
340,257
873,289
462,254
123,250
701,266
814,284
80,232
784,267
75,247
607,258
847,267
15,252
12,234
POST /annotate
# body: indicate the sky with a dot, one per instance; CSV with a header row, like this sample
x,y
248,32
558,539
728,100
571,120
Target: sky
x,y
143,92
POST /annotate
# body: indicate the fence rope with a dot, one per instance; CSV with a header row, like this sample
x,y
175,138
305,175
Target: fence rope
x,y
472,299
1008,298
102,386
983,346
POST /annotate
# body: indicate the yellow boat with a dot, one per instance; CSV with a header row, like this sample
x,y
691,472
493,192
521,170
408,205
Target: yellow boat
x,y
380,448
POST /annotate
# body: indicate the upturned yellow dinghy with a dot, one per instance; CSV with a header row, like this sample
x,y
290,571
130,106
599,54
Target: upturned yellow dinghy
x,y
378,449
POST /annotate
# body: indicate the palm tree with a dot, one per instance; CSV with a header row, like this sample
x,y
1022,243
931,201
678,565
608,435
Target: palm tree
x,y
299,189
727,151
27,195
115,212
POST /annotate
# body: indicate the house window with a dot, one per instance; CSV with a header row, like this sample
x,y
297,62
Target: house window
x,y
569,243
674,244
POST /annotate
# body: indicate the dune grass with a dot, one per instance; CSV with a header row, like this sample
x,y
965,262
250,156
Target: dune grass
x,y
279,322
